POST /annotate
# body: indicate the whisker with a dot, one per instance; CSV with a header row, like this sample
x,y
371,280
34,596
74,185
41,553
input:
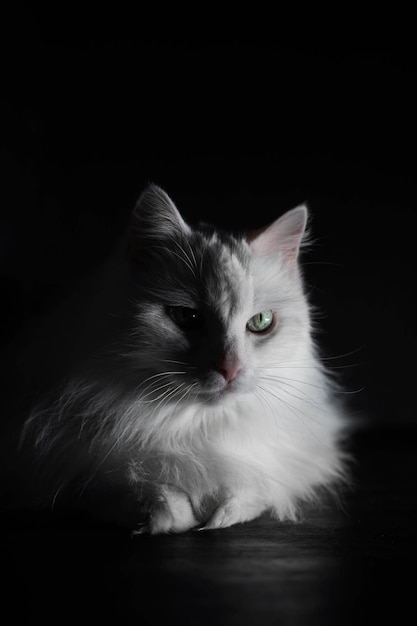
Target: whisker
x,y
167,395
173,361
312,359
265,400
343,355
187,391
334,390
187,365
151,380
142,398
192,253
294,380
295,411
186,259
332,264
56,496
306,398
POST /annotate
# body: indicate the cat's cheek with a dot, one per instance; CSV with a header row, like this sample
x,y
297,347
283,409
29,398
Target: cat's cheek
x,y
245,382
248,385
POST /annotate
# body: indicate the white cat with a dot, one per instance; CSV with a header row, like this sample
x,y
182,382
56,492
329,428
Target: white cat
x,y
201,401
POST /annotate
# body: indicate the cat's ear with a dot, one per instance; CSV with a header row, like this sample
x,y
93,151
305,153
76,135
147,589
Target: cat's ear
x,y
155,216
282,236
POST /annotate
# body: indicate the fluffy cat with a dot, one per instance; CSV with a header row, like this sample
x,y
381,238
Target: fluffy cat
x,y
199,401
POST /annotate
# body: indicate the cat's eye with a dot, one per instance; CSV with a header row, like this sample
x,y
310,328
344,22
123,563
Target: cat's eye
x,y
261,322
185,317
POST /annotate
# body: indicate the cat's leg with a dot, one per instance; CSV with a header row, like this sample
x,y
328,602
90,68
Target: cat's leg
x,y
170,512
235,509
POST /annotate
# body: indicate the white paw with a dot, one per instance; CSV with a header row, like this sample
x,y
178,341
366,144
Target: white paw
x,y
233,511
171,512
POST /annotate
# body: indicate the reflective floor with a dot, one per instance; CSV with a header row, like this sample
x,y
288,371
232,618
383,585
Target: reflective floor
x,y
336,567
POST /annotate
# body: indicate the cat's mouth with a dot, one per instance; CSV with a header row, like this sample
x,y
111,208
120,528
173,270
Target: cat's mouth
x,y
214,396
210,387
220,389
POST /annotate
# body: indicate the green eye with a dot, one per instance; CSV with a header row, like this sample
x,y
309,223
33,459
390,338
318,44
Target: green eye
x,y
260,322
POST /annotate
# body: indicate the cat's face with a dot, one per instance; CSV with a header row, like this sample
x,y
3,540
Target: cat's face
x,y
213,314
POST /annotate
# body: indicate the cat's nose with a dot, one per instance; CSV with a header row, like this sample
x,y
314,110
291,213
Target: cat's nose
x,y
229,369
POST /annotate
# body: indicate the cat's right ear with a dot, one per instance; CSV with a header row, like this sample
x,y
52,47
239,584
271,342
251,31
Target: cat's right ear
x,y
283,236
154,217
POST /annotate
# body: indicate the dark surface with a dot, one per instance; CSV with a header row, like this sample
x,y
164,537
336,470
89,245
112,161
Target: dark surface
x,y
349,566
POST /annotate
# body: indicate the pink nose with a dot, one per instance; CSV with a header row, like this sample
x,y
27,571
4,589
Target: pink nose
x,y
229,369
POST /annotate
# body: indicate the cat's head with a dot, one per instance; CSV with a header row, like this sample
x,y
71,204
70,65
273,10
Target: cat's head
x,y
213,312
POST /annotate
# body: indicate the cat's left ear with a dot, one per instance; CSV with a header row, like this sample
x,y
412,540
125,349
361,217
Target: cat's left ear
x,y
284,236
155,216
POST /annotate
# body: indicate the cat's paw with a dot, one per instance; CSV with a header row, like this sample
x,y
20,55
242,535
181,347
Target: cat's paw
x,y
233,511
171,512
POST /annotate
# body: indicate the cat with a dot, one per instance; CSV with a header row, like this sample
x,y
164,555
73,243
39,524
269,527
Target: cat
x,y
199,402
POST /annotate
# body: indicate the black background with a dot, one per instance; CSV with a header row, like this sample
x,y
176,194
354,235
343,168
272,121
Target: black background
x,y
97,102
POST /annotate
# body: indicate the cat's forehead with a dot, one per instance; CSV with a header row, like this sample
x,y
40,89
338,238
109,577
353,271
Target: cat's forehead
x,y
224,267
223,245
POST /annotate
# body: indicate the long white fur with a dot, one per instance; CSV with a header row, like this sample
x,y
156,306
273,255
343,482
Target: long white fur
x,y
269,445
